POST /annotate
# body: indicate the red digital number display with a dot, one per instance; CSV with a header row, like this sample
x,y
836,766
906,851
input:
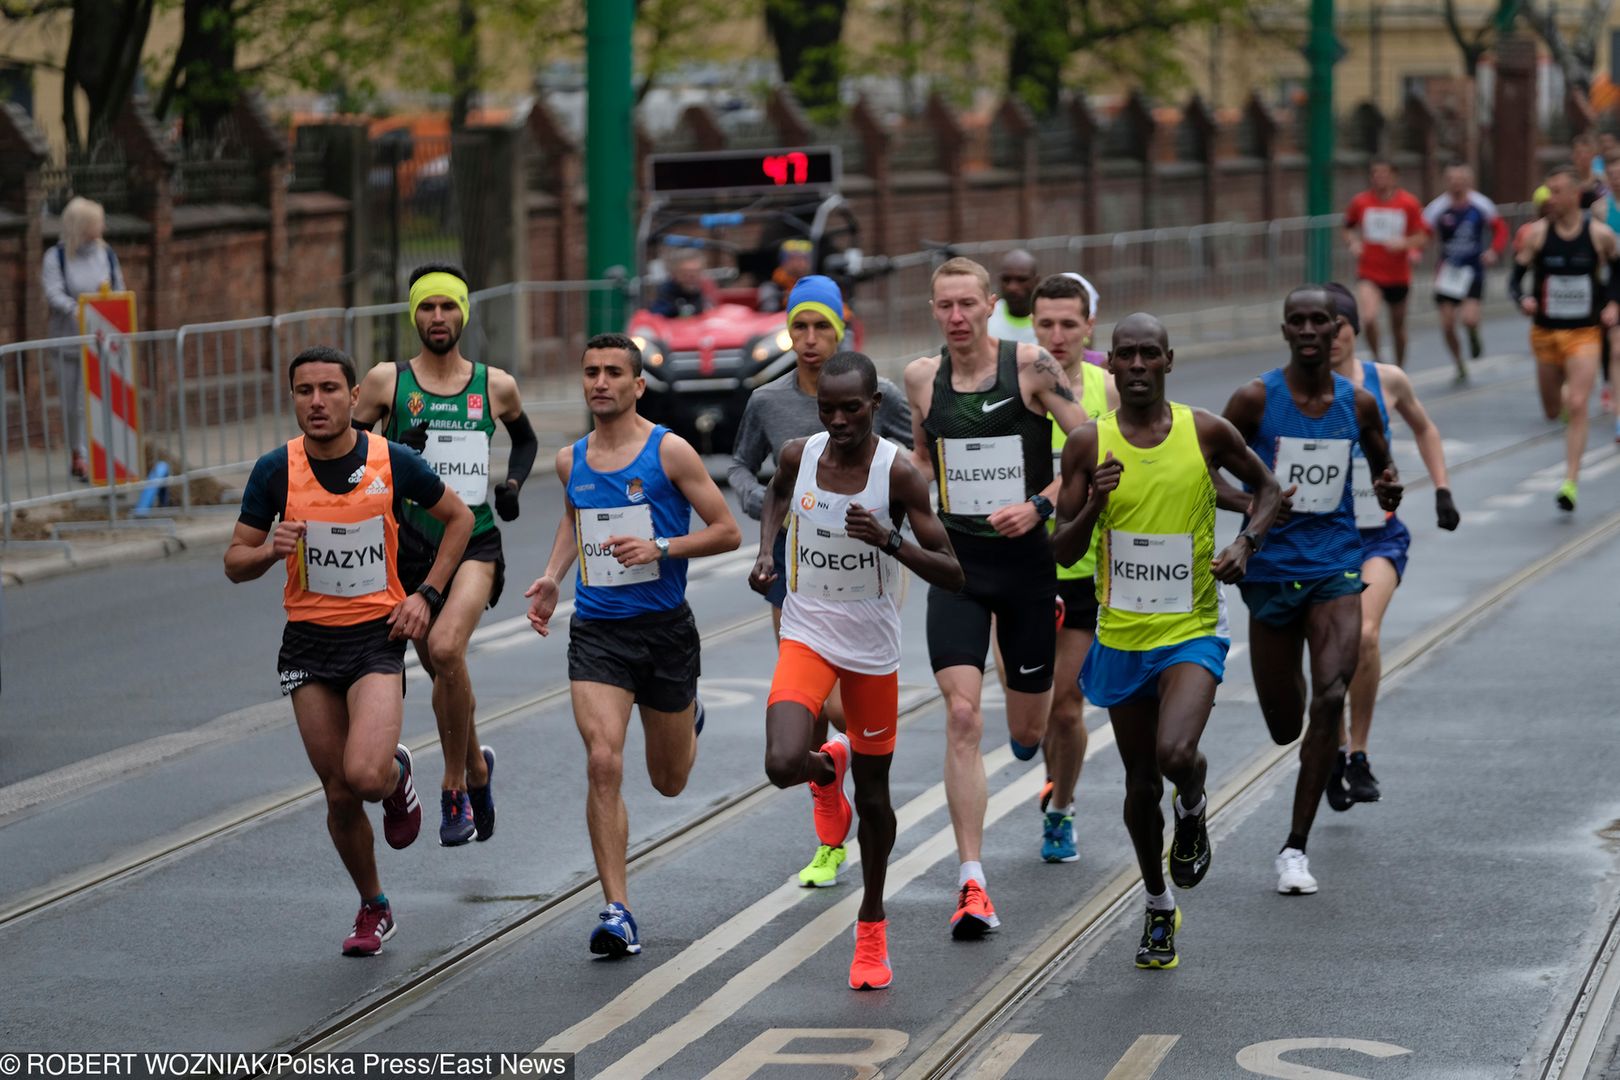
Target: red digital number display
x,y
745,170
785,169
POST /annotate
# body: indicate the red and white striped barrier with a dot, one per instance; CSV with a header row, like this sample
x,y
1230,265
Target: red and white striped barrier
x,y
110,316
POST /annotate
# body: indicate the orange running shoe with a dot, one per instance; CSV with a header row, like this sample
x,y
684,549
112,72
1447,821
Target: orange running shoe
x,y
975,914
870,969
832,810
1046,794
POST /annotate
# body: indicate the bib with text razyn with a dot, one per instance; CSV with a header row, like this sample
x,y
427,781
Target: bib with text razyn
x,y
1150,573
980,476
344,560
461,459
597,566
1320,469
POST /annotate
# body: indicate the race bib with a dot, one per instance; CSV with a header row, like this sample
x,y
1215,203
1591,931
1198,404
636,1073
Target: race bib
x,y
979,476
1569,296
344,560
597,566
1369,515
1150,573
827,564
1453,281
1319,467
1383,225
461,459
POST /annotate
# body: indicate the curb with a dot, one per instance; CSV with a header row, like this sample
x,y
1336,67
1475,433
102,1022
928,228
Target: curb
x,y
25,571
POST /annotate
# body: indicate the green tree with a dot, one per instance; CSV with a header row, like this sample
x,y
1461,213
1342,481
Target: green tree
x,y
808,35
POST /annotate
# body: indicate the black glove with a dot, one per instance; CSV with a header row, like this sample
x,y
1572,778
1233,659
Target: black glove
x,y
506,500
415,437
1445,510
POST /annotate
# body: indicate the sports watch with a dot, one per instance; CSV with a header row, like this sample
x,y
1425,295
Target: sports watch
x,y
894,543
662,544
434,598
1043,506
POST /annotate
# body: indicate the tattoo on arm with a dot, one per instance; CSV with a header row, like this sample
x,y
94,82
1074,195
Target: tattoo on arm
x,y
1046,365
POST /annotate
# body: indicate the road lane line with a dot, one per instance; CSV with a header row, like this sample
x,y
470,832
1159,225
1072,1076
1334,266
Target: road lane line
x,y
1003,1054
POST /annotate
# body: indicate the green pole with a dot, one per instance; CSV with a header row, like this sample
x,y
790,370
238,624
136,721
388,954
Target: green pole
x,y
609,154
1323,51
1506,12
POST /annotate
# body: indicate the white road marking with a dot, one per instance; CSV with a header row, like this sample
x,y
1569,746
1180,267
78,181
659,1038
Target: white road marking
x,y
1001,1055
1508,500
1142,1060
1265,1058
1482,517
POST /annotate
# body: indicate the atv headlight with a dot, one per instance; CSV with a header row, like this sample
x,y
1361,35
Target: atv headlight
x,y
769,347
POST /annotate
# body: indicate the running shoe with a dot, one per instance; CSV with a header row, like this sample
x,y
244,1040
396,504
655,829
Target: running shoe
x,y
373,926
833,813
1158,949
1057,840
870,969
1294,873
975,914
1475,346
616,934
1566,496
1046,794
698,716
1338,796
822,873
1189,848
455,819
402,811
483,799
1461,377
1360,784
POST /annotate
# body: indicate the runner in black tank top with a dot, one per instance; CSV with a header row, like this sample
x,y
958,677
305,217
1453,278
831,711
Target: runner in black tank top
x,y
979,418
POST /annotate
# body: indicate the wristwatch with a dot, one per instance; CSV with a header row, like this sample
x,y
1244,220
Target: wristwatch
x,y
662,545
434,598
1043,506
1254,541
893,544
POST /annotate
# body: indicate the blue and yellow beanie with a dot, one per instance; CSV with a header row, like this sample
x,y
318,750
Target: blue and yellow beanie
x,y
821,294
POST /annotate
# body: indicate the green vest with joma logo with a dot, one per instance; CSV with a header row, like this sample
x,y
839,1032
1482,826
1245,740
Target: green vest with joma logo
x,y
450,454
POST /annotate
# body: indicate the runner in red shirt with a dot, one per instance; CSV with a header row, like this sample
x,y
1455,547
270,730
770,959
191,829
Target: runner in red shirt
x,y
1384,228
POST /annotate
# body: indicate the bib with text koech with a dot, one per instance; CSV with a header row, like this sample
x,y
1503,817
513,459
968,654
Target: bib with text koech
x,y
345,560
980,476
1369,515
597,566
1319,467
1150,573
1569,296
461,458
1453,281
827,564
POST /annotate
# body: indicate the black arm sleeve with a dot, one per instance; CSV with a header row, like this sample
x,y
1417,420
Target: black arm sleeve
x,y
524,447
1614,280
1516,281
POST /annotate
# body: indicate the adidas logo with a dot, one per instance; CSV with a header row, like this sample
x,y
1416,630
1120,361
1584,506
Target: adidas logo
x,y
377,486
358,475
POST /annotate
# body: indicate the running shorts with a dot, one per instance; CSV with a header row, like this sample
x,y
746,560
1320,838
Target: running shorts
x,y
1014,580
337,656
1393,294
1556,346
1391,542
871,702
417,552
1079,597
655,656
1283,603
1117,676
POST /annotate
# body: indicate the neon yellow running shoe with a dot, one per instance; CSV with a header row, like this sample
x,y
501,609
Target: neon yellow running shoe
x,y
822,873
1566,496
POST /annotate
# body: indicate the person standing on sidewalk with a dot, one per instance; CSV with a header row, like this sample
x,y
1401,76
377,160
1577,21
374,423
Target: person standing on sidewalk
x,y
80,264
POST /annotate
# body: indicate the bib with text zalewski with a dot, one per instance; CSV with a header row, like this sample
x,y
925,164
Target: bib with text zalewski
x,y
597,566
461,459
1569,296
980,476
1150,573
1369,515
344,560
1319,467
828,564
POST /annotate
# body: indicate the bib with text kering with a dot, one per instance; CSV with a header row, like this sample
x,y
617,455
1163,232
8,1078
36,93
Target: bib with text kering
x,y
1150,573
597,566
345,560
1319,467
980,476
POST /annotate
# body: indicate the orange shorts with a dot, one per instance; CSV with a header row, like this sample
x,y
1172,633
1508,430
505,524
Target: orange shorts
x,y
871,702
1556,346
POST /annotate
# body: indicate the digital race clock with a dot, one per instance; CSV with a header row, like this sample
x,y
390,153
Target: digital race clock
x,y
744,170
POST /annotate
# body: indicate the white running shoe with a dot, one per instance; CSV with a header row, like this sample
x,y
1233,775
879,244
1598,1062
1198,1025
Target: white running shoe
x,y
1294,873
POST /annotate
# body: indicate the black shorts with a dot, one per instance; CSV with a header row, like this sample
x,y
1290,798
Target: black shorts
x,y
1014,580
1079,603
655,656
1476,291
1393,294
417,552
337,655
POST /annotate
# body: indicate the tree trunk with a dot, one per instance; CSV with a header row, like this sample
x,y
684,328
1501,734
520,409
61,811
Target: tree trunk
x,y
464,65
1039,49
203,84
808,53
103,57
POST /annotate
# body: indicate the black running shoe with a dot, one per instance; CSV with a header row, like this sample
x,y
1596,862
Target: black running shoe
x,y
1475,345
1189,849
1158,949
1338,796
1359,780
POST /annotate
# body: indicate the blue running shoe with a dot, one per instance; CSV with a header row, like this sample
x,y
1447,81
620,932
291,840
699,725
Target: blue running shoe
x,y
483,799
698,717
1057,842
455,819
616,936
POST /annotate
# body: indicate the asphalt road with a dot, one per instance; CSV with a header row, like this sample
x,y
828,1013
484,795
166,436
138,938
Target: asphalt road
x,y
157,816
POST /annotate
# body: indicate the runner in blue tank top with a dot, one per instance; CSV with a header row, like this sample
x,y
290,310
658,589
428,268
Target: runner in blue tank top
x,y
1304,587
1384,542
631,488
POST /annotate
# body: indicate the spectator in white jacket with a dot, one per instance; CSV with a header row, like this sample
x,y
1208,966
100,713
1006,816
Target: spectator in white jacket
x,y
80,263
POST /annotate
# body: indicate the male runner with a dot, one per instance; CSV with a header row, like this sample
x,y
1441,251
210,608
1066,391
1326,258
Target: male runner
x,y
778,412
338,494
444,406
845,490
1569,254
1384,541
631,488
979,418
1063,322
1010,320
1304,587
1384,227
1141,475
1471,234
1607,210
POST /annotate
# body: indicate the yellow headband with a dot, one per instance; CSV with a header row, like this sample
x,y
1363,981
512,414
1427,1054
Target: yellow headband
x,y
440,283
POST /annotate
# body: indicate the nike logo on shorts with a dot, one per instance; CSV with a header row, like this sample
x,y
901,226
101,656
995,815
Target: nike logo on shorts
x,y
1022,670
872,734
988,406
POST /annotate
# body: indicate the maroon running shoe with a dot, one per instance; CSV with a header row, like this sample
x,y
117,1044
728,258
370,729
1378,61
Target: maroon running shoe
x,y
402,811
373,926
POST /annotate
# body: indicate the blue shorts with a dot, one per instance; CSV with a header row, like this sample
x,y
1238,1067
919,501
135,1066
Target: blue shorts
x,y
776,596
1389,542
1117,676
1283,603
